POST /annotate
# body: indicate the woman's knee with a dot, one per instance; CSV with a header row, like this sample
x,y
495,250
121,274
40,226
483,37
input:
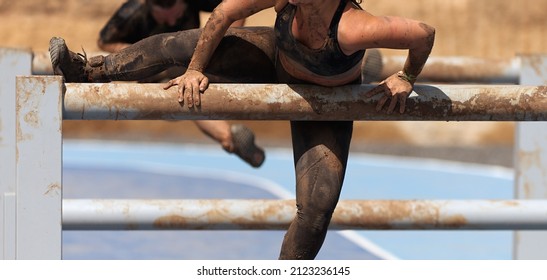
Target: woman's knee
x,y
315,219
320,168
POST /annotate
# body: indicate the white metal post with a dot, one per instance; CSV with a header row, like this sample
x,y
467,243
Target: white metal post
x,y
39,167
531,162
13,62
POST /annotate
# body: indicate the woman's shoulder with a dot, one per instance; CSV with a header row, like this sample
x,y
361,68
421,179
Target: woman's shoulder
x,y
355,28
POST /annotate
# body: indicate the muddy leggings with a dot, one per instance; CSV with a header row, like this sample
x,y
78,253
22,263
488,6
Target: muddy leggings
x,y
320,151
245,55
248,56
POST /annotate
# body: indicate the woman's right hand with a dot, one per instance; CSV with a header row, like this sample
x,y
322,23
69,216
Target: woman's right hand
x,y
393,88
190,86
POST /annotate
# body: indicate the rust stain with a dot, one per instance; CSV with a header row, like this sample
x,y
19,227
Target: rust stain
x,y
53,188
219,214
32,119
387,214
170,222
454,222
259,218
496,107
529,159
175,221
511,203
437,108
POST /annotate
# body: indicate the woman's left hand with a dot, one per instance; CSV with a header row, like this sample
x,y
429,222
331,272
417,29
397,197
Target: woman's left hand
x,y
394,88
191,85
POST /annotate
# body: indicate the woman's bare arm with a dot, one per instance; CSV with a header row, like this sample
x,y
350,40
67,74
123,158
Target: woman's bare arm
x,y
361,30
367,31
193,82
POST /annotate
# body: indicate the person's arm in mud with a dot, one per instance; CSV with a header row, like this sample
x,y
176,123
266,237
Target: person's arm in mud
x,y
193,82
395,33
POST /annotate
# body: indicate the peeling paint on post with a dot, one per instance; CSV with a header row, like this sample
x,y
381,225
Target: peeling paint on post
x,y
39,167
131,101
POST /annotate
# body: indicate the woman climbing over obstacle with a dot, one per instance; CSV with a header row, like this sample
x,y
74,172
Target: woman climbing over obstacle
x,y
318,42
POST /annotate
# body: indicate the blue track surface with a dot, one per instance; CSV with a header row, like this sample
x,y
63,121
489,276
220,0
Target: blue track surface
x,y
130,170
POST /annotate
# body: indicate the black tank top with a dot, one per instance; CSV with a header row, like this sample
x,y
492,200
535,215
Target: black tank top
x,y
326,61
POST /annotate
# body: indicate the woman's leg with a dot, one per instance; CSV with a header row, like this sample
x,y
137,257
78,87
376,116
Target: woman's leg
x,y
244,55
321,151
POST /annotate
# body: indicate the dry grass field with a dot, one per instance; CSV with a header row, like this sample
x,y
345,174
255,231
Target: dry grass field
x,y
494,29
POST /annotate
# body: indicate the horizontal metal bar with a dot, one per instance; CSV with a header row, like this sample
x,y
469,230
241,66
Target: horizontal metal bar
x,y
130,101
459,69
277,214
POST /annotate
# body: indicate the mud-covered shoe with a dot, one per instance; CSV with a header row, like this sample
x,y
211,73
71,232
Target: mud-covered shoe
x,y
66,63
244,145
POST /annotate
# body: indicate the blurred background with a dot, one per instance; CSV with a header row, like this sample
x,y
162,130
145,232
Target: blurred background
x,y
496,30
491,29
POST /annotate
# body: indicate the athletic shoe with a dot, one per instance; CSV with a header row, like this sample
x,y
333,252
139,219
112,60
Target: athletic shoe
x,y
66,63
245,147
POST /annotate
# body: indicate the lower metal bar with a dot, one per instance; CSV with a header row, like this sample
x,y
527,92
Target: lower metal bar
x,y
277,214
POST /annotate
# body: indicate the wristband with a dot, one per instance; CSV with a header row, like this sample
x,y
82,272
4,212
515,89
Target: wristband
x,y
406,77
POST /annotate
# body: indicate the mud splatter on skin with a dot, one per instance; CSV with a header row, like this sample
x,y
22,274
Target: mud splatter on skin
x,y
208,41
429,30
417,59
204,47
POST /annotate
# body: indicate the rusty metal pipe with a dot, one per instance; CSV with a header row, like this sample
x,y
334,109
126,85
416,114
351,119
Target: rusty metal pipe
x,y
132,101
80,214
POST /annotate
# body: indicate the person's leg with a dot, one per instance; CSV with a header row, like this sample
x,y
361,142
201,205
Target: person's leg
x,y
321,151
237,139
137,62
244,55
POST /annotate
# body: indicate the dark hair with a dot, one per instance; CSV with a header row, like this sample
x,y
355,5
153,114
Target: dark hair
x,y
162,3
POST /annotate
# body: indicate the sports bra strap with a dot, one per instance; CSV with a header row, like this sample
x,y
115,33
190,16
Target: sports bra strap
x,y
337,15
